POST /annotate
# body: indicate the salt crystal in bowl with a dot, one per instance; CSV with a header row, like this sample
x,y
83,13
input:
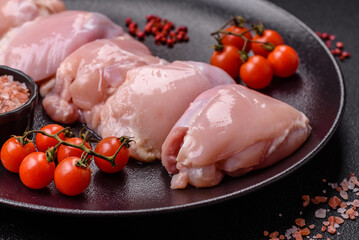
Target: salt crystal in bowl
x,y
16,121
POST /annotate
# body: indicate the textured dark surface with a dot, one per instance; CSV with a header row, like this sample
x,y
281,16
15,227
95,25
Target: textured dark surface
x,y
245,217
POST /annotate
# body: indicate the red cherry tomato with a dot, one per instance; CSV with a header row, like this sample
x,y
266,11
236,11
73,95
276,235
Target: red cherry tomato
x,y
237,41
284,60
12,153
268,35
44,142
35,171
70,179
228,59
108,147
256,72
68,151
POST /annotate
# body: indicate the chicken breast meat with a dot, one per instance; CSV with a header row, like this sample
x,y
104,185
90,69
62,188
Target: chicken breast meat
x,y
100,67
38,47
232,130
152,99
14,13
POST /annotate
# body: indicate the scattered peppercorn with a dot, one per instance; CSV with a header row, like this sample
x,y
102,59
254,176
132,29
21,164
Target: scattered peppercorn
x,y
338,50
163,30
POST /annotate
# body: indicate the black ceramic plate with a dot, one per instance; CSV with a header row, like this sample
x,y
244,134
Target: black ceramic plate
x,y
317,89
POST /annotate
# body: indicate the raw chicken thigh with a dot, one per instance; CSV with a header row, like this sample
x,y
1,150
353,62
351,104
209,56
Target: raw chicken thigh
x,y
14,13
232,130
38,47
92,73
152,99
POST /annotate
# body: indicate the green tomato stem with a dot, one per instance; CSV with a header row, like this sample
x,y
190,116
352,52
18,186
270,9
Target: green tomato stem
x,y
87,151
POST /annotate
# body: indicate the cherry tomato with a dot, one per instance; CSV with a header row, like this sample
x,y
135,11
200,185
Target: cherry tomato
x,y
237,41
268,35
68,151
35,171
12,153
108,147
228,59
44,142
70,179
284,60
257,72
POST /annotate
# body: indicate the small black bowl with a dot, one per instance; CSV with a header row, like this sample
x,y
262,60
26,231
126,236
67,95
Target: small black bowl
x,y
15,122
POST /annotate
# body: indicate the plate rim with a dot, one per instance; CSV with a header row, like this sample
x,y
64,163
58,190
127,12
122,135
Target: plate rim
x,y
215,200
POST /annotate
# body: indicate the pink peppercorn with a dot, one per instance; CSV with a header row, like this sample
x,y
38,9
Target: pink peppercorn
x,y
163,30
339,45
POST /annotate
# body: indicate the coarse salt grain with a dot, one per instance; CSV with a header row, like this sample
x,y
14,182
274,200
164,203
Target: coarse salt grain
x,y
341,210
319,199
346,209
274,234
354,180
319,236
300,222
306,199
355,203
333,185
305,231
320,213
289,233
13,94
331,229
344,195
298,236
345,185
334,202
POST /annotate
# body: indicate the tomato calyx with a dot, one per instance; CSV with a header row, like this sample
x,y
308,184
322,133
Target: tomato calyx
x,y
268,46
22,140
244,56
84,135
125,142
237,21
83,161
258,28
219,45
51,154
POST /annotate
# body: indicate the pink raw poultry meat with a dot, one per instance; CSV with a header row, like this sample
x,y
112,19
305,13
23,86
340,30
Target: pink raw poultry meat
x,y
152,99
38,47
231,130
92,73
13,13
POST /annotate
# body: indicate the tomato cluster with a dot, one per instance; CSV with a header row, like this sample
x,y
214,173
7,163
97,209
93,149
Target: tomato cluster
x,y
64,160
255,59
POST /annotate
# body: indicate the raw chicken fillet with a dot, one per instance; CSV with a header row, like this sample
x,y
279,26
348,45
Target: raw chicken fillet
x,y
38,47
14,13
152,99
100,67
232,130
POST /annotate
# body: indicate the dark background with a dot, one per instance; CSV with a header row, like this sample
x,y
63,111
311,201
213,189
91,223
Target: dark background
x,y
273,208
